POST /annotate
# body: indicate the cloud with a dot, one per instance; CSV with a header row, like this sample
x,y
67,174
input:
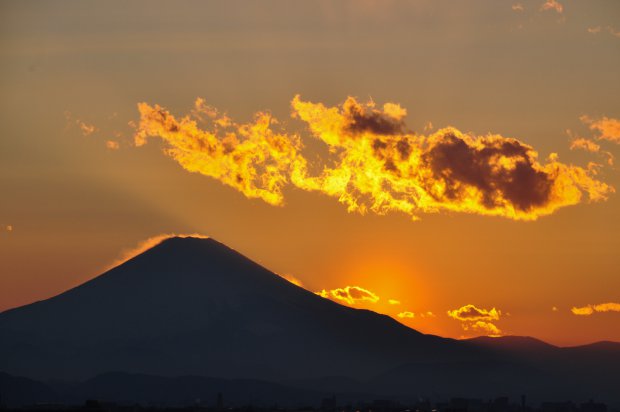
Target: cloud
x,y
374,163
601,307
518,7
585,144
581,143
86,128
552,5
477,319
351,295
472,313
609,29
411,315
607,128
393,302
427,314
112,145
487,328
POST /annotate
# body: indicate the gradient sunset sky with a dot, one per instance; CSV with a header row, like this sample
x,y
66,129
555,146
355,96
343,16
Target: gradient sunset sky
x,y
451,163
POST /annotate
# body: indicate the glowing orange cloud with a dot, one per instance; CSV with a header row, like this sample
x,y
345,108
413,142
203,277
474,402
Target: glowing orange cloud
x,y
487,328
350,295
588,145
375,164
112,145
585,144
472,313
393,302
552,5
601,307
607,128
477,319
406,314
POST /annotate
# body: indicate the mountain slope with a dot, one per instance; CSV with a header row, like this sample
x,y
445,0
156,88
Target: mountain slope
x,y
194,306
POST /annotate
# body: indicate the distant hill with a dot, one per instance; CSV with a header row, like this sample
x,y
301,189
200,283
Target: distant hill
x,y
195,307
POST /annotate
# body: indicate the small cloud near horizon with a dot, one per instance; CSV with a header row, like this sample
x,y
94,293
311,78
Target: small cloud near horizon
x,y
351,295
591,309
477,319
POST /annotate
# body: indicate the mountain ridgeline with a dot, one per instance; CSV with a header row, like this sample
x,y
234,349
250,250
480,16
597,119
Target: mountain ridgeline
x,y
194,307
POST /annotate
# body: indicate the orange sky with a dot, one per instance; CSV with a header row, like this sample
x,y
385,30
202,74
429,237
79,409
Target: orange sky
x,y
79,186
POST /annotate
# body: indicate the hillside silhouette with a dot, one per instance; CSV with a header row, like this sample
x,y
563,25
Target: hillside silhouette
x,y
194,307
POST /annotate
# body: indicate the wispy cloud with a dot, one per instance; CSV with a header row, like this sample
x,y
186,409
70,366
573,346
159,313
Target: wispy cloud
x,y
607,128
518,7
585,144
351,295
375,164
552,5
591,309
393,302
112,144
413,315
599,29
85,128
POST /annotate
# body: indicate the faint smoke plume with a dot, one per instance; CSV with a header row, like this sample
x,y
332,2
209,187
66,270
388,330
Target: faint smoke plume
x,y
375,164
148,244
293,280
591,309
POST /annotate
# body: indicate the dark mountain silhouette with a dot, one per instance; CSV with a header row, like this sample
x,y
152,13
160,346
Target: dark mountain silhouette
x,y
16,391
194,307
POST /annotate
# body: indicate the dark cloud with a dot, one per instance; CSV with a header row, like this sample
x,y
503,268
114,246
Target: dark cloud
x,y
461,164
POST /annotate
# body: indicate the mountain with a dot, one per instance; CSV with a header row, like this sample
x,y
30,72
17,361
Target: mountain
x,y
194,307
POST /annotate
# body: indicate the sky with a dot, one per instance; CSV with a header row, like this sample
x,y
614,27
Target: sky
x,y
450,164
